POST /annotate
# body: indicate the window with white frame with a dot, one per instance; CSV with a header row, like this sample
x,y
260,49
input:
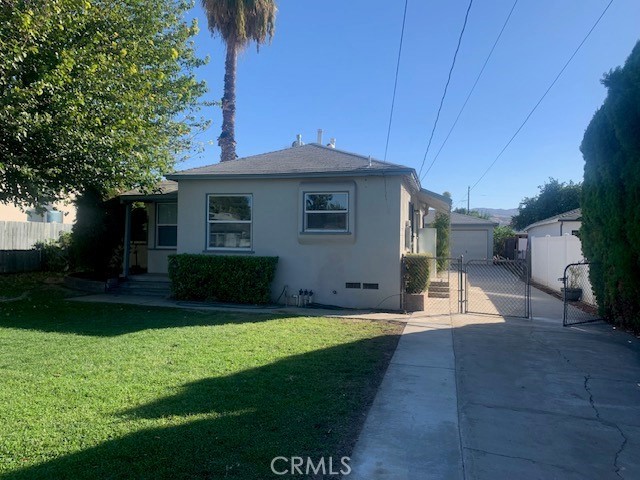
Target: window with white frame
x,y
229,221
166,225
326,212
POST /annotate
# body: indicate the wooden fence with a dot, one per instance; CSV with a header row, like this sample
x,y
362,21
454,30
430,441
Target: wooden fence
x,y
13,261
23,235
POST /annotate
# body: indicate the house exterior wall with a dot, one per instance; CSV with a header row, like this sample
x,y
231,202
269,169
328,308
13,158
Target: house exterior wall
x,y
554,229
157,258
322,262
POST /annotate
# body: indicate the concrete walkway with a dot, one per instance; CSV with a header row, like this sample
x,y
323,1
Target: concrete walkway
x,y
411,431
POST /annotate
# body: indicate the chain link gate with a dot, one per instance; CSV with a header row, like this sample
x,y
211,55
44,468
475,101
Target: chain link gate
x,y
579,301
497,287
445,292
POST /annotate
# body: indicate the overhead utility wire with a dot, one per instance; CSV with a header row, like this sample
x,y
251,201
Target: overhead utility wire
x,y
395,84
504,25
444,94
544,95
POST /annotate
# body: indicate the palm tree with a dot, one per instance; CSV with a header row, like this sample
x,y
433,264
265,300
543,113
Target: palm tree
x,y
238,22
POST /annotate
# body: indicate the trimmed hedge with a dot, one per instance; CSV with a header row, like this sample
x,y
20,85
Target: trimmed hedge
x,y
222,278
417,272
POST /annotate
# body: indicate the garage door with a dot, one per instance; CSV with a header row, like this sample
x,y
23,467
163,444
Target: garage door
x,y
473,244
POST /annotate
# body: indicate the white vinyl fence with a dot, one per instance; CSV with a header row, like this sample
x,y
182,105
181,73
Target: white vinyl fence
x,y
23,235
550,256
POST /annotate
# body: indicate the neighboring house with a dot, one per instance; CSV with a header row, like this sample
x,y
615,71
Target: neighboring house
x,y
21,228
62,212
339,222
553,244
567,223
470,236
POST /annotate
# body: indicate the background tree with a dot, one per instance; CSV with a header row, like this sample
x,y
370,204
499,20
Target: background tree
x,y
472,213
238,22
610,230
442,224
500,235
554,198
95,95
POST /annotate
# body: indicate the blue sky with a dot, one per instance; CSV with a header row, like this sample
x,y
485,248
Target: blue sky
x,y
331,65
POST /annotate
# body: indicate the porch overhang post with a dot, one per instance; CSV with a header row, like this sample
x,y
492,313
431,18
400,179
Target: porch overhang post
x,y
127,240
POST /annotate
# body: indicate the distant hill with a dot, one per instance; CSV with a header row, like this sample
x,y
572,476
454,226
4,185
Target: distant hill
x,y
500,215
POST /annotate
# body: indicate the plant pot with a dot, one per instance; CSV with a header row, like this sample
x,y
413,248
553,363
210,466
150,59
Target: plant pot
x,y
572,294
414,302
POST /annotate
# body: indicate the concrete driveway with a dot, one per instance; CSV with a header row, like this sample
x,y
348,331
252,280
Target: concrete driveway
x,y
488,397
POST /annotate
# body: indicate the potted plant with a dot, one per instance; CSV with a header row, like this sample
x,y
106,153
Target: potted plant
x,y
573,291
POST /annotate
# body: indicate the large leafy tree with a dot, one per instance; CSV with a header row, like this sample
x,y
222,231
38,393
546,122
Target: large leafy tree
x,y
555,197
610,230
95,95
238,22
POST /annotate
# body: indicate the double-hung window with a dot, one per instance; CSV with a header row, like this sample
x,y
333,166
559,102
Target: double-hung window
x,y
326,212
229,222
166,225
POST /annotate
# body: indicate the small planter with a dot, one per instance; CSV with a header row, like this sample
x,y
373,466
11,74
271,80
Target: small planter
x,y
572,294
414,302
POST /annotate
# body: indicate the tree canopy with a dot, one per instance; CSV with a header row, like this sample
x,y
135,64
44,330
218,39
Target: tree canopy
x,y
94,95
555,197
610,230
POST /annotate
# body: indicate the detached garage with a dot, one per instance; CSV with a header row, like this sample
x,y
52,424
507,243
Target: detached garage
x,y
470,236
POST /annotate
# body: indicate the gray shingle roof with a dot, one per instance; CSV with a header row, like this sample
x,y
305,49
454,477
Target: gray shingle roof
x,y
460,219
570,216
296,161
165,187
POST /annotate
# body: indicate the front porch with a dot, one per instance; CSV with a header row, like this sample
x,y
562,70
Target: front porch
x,y
151,229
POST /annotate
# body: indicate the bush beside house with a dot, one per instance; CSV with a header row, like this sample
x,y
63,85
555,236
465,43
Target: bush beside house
x,y
417,272
222,278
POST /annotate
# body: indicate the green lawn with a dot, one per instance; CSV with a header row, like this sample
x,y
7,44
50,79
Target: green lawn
x,y
107,391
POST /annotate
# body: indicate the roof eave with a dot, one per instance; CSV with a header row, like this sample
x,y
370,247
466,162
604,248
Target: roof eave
x,y
256,176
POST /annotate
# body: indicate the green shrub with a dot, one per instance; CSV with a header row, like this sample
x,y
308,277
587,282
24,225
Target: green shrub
x,y
416,272
610,231
55,253
222,278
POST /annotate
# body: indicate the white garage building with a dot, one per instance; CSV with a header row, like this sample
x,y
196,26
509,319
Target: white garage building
x,y
470,236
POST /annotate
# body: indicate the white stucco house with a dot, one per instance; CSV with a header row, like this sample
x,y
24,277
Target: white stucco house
x,y
339,222
471,236
567,223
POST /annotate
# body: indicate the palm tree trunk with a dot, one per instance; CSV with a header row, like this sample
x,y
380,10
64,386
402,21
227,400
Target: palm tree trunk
x,y
227,140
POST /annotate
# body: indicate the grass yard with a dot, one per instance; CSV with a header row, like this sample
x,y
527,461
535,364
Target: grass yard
x,y
104,391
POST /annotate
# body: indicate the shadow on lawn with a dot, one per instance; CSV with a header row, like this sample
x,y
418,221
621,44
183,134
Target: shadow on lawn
x,y
107,320
310,404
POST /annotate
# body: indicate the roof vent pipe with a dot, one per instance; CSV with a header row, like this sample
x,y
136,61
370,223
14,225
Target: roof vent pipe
x,y
319,136
298,142
332,143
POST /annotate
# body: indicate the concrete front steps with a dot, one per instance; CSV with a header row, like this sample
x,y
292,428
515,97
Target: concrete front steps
x,y
156,285
438,289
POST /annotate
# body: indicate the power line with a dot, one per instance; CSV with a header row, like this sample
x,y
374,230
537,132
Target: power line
x,y
504,25
545,94
395,84
444,94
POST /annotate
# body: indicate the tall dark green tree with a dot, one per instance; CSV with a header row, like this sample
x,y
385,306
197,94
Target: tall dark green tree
x,y
555,197
95,95
611,195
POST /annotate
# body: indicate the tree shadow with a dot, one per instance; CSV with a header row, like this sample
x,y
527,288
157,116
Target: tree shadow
x,y
305,405
108,320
